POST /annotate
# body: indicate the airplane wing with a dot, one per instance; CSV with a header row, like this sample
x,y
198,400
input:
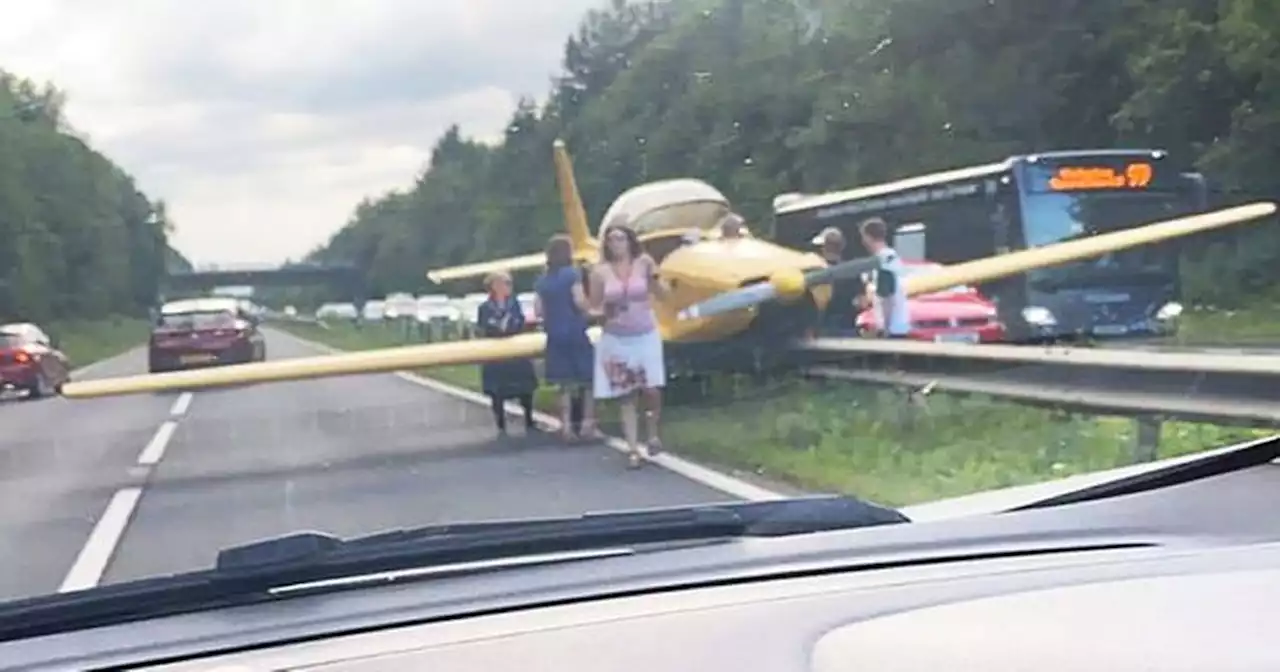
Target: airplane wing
x,y
522,263
990,268
476,351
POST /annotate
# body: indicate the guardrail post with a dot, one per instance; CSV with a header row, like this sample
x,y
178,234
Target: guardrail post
x,y
1146,440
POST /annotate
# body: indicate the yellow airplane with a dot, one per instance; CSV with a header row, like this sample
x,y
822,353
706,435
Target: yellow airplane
x,y
725,291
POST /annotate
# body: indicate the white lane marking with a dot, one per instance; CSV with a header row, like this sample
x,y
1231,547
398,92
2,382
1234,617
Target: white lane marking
x,y
92,561
154,450
181,404
694,472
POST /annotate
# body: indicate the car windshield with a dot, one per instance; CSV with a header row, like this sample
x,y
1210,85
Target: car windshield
x,y
11,340
252,245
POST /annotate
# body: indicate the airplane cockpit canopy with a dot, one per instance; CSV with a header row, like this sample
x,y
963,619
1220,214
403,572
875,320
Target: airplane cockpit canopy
x,y
668,205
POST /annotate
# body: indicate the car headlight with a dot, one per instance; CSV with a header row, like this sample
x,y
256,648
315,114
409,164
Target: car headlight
x,y
1169,311
1039,316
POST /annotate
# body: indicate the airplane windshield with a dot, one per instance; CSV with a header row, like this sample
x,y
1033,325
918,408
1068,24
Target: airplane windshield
x,y
276,264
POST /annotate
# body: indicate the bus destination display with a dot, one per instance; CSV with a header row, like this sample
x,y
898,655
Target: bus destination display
x,y
1136,175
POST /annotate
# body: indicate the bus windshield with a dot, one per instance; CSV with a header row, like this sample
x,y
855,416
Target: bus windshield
x,y
1058,217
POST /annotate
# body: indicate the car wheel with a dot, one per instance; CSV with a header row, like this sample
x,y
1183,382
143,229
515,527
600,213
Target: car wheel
x,y
40,390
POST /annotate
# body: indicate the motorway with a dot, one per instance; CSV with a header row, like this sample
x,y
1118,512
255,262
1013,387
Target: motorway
x,y
105,490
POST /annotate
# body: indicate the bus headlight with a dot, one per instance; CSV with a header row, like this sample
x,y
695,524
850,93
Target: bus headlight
x,y
1169,311
1039,316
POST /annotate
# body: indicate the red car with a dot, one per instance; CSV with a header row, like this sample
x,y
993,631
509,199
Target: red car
x,y
204,332
30,363
959,314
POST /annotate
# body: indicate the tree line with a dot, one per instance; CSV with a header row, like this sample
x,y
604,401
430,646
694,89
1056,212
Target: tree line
x,y
78,239
761,97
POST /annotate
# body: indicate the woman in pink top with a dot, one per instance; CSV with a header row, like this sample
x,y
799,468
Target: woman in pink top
x,y
629,359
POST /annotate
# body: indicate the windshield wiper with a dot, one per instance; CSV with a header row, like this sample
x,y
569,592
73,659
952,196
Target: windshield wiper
x,y
266,570
1215,463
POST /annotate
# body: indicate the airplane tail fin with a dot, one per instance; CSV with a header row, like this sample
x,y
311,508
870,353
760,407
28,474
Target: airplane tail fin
x,y
575,224
575,215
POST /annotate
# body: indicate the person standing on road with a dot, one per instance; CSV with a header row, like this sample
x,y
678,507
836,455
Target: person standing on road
x,y
891,290
629,356
561,302
501,315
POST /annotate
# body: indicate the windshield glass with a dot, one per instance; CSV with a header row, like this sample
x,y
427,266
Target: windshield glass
x,y
8,340
197,320
1056,217
355,181
922,269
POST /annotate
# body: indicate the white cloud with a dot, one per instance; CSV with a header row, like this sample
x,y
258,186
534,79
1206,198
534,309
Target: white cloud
x,y
263,122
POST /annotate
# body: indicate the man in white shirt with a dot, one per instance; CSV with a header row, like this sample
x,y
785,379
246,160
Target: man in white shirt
x,y
891,290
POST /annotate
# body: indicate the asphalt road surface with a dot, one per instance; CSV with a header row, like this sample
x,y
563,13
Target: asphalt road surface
x,y
106,490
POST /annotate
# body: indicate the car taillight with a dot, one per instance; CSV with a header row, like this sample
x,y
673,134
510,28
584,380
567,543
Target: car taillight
x,y
21,357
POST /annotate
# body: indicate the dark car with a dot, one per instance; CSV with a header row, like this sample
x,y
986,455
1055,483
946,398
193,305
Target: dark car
x,y
29,362
204,332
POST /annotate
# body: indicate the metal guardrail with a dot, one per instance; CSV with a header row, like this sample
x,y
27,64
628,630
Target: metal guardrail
x,y
1230,389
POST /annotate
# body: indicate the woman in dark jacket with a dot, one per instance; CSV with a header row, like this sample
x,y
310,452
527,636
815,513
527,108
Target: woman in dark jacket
x,y
502,316
569,361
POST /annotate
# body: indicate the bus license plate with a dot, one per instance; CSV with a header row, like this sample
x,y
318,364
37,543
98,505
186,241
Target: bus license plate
x,y
957,337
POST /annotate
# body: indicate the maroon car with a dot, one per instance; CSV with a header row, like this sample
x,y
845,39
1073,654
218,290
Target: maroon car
x,y
29,362
204,332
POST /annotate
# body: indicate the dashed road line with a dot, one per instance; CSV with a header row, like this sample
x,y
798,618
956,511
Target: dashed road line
x,y
154,450
181,404
92,561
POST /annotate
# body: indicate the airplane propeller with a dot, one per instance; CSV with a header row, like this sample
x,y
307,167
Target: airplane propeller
x,y
787,285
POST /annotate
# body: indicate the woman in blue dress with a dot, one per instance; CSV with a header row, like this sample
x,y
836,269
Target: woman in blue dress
x,y
570,360
497,317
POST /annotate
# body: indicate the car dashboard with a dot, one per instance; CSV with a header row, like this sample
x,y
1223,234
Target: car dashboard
x,y
1182,578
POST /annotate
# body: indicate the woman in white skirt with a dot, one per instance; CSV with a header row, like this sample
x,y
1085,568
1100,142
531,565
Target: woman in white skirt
x,y
628,359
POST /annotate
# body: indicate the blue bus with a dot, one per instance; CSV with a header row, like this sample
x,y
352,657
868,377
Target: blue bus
x,y
1026,202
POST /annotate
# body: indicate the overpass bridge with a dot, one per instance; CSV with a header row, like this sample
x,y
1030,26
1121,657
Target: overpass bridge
x,y
346,280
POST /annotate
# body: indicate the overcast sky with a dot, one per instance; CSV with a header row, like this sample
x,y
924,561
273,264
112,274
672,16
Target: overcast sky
x,y
263,122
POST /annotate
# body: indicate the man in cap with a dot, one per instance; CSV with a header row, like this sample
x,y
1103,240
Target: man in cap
x,y
848,295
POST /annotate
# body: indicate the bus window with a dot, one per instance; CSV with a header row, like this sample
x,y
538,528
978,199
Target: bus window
x,y
1199,191
1050,218
909,241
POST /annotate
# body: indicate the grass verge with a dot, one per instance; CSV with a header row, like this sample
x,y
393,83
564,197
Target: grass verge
x,y
88,341
858,440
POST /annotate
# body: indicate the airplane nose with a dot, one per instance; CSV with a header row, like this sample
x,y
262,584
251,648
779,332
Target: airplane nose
x,y
788,284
